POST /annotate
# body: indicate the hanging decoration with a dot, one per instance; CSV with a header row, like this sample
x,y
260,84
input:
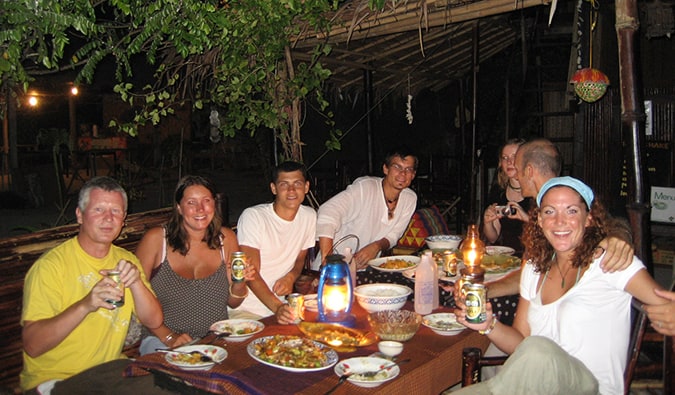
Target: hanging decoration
x,y
408,111
590,84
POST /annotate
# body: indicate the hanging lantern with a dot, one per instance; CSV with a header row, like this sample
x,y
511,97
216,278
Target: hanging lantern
x,y
590,84
335,293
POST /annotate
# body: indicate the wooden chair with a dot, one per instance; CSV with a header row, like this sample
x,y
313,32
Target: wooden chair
x,y
473,360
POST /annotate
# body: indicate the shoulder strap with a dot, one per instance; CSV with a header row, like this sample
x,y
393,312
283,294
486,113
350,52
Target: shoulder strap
x,y
163,247
222,249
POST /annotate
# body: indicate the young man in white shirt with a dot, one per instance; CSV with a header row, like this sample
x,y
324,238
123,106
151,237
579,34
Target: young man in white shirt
x,y
377,210
276,237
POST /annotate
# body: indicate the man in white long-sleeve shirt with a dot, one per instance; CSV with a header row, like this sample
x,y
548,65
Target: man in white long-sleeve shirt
x,y
377,210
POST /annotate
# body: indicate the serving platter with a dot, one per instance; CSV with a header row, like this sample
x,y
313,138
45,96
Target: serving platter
x,y
292,353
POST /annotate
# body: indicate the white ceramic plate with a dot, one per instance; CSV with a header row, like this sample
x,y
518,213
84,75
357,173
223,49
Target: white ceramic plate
x,y
218,354
282,345
378,262
444,324
240,330
499,250
366,364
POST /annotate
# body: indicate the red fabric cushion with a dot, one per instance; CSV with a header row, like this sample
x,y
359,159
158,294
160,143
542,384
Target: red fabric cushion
x,y
424,222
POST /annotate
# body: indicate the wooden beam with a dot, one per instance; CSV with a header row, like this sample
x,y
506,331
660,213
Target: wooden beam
x,y
405,19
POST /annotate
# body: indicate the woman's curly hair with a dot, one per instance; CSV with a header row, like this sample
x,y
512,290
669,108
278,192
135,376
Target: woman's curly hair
x,y
539,251
176,234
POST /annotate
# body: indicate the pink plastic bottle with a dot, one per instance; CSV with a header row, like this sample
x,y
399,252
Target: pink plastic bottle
x,y
425,285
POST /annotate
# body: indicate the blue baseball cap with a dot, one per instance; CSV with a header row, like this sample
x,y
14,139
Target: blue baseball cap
x,y
584,190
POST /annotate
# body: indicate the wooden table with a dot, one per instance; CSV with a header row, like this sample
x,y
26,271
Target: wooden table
x,y
436,363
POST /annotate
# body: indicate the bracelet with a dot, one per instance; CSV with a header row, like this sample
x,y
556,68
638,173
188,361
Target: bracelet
x,y
168,338
232,294
491,328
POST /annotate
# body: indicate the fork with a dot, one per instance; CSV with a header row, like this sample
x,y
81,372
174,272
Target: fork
x,y
371,373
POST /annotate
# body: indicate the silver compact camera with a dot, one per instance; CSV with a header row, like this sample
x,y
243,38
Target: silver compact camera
x,y
506,210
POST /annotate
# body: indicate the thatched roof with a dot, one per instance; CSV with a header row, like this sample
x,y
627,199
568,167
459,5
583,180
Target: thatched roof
x,y
415,44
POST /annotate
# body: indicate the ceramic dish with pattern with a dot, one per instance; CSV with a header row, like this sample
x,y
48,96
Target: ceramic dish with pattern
x,y
499,263
395,263
187,361
499,250
357,365
292,353
239,329
444,324
446,242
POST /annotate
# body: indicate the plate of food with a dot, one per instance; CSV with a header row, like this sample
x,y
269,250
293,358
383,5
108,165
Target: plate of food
x,y
499,250
337,336
494,264
292,353
238,329
355,367
395,263
196,357
444,324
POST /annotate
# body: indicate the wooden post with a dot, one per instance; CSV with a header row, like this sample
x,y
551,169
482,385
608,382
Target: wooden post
x,y
632,122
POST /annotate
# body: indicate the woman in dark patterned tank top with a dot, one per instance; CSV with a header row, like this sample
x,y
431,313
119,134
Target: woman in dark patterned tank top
x,y
500,228
187,264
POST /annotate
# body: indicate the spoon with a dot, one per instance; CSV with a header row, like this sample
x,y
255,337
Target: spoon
x,y
371,373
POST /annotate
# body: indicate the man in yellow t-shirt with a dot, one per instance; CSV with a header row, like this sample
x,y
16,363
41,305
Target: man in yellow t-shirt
x,y
69,322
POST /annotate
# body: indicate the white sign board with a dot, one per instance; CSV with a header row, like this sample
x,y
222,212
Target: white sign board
x,y
663,204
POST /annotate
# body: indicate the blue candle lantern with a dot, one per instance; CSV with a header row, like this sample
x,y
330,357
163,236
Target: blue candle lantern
x,y
335,293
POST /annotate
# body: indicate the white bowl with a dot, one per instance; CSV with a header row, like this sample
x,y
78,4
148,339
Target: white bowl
x,y
380,297
390,348
443,242
444,324
366,364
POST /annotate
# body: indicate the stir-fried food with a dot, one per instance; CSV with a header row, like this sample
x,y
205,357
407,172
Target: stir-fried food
x,y
334,335
291,351
192,358
397,264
